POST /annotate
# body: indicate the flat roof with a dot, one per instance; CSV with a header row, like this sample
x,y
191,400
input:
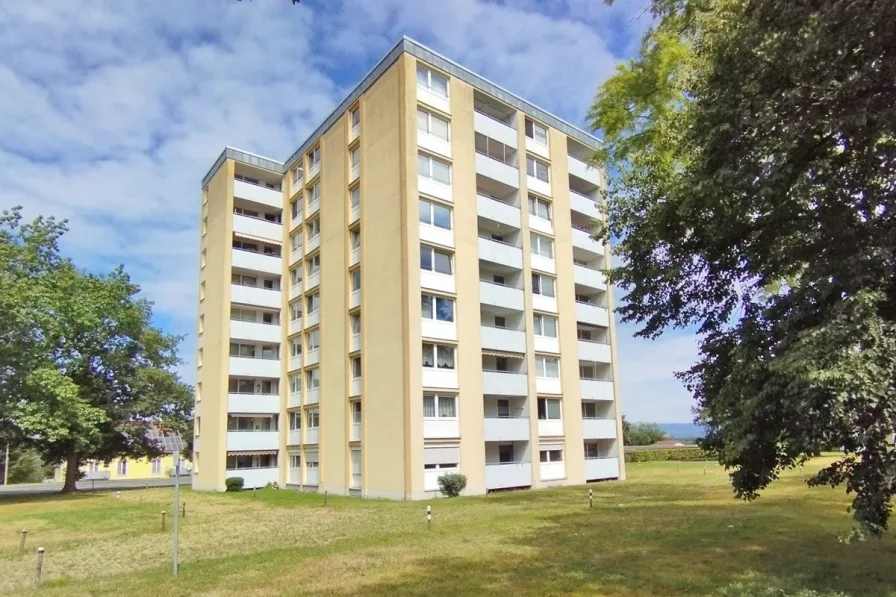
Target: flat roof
x,y
418,50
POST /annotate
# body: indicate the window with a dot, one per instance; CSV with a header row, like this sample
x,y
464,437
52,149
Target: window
x,y
313,265
537,169
501,364
355,238
312,378
269,352
295,348
202,291
581,298
295,421
587,372
295,461
243,315
296,174
548,409
356,367
204,256
314,157
356,279
543,285
548,367
295,384
551,455
439,356
313,302
355,157
503,409
356,324
296,240
431,124
356,196
505,453
295,310
433,82
500,321
433,260
545,326
296,207
356,117
123,467
238,461
311,463
498,279
243,280
313,340
314,196
583,334
314,228
495,150
439,406
204,226
243,246
356,413
437,308
242,211
435,214
313,419
156,466
242,350
536,132
589,410
541,245
241,386
433,169
539,207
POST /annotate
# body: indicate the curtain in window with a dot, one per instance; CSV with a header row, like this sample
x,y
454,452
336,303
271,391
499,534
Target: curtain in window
x,y
428,356
426,306
438,128
356,325
429,406
446,357
447,406
553,409
551,368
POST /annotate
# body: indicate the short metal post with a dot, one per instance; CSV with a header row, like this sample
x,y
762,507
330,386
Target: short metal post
x,y
185,510
590,498
117,495
163,521
429,517
39,567
22,543
92,481
326,493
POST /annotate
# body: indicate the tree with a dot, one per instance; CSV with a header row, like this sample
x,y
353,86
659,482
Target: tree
x,y
640,434
97,375
755,149
25,466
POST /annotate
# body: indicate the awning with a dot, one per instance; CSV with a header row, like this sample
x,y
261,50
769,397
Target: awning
x,y
441,455
259,239
506,355
250,452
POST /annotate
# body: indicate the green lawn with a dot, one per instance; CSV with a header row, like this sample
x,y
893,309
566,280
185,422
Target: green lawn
x,y
669,530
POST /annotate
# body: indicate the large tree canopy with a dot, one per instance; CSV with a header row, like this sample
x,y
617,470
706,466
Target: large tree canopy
x,y
755,146
83,372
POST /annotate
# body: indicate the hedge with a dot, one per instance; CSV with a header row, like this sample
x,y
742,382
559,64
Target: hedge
x,y
671,454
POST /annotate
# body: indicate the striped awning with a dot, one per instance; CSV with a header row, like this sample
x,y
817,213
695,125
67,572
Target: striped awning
x,y
259,239
250,452
506,355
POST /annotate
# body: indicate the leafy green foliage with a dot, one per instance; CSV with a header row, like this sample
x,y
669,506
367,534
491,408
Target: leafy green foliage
x,y
452,484
755,145
640,434
663,455
83,373
233,483
25,466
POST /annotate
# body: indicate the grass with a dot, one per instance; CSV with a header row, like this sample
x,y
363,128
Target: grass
x,y
669,530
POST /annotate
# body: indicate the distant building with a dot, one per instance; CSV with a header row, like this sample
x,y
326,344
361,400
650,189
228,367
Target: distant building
x,y
670,443
135,468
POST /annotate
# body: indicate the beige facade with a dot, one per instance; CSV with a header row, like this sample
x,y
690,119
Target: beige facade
x,y
414,292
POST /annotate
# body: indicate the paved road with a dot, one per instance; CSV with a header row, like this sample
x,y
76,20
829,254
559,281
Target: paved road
x,y
38,488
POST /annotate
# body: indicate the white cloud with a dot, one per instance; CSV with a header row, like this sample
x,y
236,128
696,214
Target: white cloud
x,y
113,112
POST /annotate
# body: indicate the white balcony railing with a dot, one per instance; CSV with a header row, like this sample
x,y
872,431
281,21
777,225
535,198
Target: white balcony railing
x,y
495,338
601,468
504,383
498,211
584,205
440,428
596,389
598,352
581,239
502,475
238,441
550,428
580,169
253,403
499,429
257,332
247,367
592,314
499,252
494,128
499,295
492,168
313,242
255,478
257,227
258,194
589,277
599,428
259,262
255,296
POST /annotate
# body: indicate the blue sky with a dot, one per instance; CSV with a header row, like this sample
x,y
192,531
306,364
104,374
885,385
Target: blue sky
x,y
113,112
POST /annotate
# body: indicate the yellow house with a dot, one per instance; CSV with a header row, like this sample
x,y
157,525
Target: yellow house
x,y
136,468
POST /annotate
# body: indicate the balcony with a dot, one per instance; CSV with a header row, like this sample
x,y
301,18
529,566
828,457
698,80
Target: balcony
x,y
504,383
498,295
581,239
257,227
502,253
598,352
498,211
313,242
258,194
255,296
312,435
253,403
580,169
591,313
508,474
433,144
240,441
258,262
503,173
495,338
497,130
246,367
436,235
255,478
584,205
601,468
294,438
596,389
599,428
589,277
499,429
439,378
440,428
548,385
539,224
312,319
259,332
295,362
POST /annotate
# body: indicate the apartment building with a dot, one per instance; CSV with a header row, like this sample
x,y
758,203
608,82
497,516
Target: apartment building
x,y
413,292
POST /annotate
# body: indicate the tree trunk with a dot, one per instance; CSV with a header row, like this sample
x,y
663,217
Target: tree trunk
x,y
72,470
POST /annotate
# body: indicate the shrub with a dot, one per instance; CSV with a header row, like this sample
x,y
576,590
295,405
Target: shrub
x,y
272,485
672,454
233,483
452,484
